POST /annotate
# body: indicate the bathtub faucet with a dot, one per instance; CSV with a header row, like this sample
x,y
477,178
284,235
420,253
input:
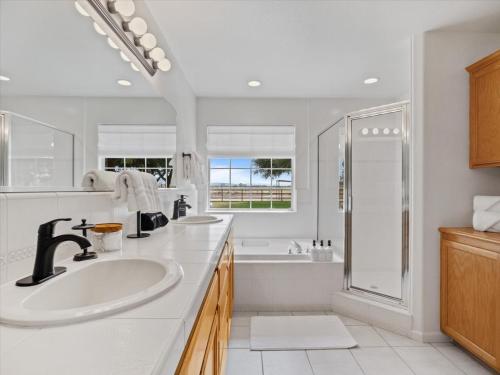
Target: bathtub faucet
x,y
295,245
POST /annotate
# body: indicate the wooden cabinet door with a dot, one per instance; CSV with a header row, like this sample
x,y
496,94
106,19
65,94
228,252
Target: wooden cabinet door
x,y
211,360
484,112
470,287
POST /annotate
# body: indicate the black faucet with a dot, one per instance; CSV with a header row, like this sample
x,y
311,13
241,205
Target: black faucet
x,y
180,206
46,246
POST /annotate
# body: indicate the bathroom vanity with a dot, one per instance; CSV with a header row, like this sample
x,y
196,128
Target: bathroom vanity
x,y
205,352
470,291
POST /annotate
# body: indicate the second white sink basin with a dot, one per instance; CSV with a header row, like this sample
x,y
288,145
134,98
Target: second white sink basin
x,y
201,219
100,288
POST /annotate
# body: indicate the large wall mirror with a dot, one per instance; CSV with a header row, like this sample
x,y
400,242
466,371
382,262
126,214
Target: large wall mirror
x,y
69,103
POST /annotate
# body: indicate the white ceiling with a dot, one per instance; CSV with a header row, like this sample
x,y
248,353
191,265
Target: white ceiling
x,y
47,48
307,48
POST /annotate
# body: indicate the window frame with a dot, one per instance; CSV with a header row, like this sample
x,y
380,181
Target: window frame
x,y
293,201
102,163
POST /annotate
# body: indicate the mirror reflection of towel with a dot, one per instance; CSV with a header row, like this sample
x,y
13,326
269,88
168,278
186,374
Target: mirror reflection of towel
x,y
139,189
99,180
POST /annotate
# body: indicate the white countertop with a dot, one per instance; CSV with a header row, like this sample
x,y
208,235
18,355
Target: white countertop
x,y
148,339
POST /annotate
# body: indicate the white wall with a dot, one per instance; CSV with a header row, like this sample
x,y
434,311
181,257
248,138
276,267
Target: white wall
x,y
310,117
80,116
443,183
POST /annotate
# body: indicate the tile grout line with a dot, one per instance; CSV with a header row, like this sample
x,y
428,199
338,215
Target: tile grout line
x,y
402,359
355,360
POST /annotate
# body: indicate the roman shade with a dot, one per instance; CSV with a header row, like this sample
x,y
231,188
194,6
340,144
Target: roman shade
x,y
136,140
252,141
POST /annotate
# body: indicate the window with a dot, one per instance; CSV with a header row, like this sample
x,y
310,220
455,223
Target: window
x,y
147,148
161,168
251,183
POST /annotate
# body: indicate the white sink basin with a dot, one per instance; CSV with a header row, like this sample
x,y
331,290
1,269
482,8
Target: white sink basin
x,y
207,219
97,289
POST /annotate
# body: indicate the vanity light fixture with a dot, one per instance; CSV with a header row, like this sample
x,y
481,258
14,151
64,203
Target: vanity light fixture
x,y
395,131
164,65
136,26
124,57
370,81
4,78
386,131
375,131
98,29
364,131
147,41
81,10
254,83
156,54
112,44
125,8
124,82
118,17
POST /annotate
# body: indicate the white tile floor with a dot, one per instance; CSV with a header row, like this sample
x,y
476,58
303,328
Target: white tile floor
x,y
380,352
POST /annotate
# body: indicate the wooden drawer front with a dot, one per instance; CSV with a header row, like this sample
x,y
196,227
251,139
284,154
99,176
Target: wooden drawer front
x,y
211,360
195,353
470,288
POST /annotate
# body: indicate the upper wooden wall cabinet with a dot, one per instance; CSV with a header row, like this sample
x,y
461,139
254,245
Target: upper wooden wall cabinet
x,y
484,112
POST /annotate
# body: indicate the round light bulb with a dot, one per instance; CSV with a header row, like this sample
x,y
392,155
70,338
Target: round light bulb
x,y
164,65
395,131
364,131
124,8
134,67
124,57
375,131
98,29
387,131
112,44
370,81
148,41
80,9
157,54
137,26
124,82
254,83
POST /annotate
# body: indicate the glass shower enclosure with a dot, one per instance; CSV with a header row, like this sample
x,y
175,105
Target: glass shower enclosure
x,y
34,154
370,172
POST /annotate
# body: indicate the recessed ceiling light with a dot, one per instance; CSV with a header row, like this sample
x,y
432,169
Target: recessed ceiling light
x,y
124,82
370,81
4,78
80,10
254,83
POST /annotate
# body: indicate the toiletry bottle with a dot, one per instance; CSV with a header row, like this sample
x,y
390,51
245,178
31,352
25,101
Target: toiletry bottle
x,y
314,252
329,252
321,251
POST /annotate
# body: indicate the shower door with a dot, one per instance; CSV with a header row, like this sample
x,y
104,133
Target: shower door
x,y
377,202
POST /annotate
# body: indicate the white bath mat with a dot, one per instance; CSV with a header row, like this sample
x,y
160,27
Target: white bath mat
x,y
299,332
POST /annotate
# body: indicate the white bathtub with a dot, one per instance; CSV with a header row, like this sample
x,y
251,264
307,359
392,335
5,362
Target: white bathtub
x,y
268,278
273,250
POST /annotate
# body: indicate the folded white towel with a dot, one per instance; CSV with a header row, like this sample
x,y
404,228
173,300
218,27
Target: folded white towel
x,y
486,203
139,189
99,180
486,221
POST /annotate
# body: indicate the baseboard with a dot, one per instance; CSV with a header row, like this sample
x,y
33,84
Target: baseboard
x,y
429,337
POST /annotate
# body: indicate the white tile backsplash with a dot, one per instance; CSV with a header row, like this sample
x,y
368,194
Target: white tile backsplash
x,y
22,213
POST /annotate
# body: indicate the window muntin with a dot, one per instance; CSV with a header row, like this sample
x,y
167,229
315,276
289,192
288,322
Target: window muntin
x,y
161,168
250,183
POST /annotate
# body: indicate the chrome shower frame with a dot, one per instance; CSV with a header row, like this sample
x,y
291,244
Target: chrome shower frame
x,y
402,107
